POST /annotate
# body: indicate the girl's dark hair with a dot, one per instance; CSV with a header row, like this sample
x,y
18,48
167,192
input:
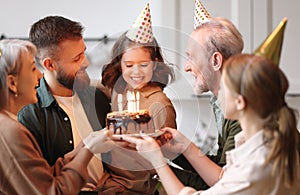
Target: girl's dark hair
x,y
112,73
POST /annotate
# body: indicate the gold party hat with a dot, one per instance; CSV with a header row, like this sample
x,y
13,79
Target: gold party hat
x,y
200,14
141,30
271,47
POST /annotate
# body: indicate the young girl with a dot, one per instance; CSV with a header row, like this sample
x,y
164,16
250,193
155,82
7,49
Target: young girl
x,y
141,68
266,159
137,65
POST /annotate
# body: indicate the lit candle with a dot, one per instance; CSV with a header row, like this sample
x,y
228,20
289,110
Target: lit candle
x,y
133,101
120,106
137,101
128,101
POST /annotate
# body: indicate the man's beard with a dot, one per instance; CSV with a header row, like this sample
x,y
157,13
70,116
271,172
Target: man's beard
x,y
80,82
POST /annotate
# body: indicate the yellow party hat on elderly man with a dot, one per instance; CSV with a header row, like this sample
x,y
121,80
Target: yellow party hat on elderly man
x,y
271,47
141,30
200,14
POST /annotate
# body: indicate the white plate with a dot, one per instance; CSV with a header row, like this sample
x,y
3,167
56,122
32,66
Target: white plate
x,y
154,134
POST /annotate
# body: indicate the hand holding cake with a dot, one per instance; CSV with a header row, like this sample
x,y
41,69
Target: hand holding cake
x,y
147,147
99,142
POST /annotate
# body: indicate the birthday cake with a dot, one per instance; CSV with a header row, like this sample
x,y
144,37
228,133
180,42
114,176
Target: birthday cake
x,y
130,122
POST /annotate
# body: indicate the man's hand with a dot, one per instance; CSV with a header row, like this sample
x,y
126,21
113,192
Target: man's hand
x,y
99,142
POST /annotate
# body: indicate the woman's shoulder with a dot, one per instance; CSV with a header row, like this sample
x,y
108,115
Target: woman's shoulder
x,y
12,131
16,136
12,128
7,123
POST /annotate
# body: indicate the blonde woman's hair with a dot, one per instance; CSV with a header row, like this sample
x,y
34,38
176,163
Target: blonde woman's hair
x,y
264,86
11,52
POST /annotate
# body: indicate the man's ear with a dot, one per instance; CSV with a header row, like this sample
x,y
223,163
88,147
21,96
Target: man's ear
x,y
217,61
48,63
240,102
12,84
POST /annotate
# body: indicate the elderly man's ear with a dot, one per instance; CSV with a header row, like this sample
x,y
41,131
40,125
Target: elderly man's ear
x,y
217,61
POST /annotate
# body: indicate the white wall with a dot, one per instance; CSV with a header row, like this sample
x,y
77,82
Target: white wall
x,y
98,16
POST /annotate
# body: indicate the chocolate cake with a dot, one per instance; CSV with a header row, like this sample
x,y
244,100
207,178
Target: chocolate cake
x,y
130,122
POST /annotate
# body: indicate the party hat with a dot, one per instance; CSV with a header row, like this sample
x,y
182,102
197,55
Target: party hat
x,y
271,47
200,14
141,30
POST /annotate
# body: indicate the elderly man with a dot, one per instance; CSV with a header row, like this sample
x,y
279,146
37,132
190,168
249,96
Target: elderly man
x,y
210,44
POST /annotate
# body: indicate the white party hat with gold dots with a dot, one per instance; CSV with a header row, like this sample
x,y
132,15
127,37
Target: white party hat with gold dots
x,y
200,14
141,30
